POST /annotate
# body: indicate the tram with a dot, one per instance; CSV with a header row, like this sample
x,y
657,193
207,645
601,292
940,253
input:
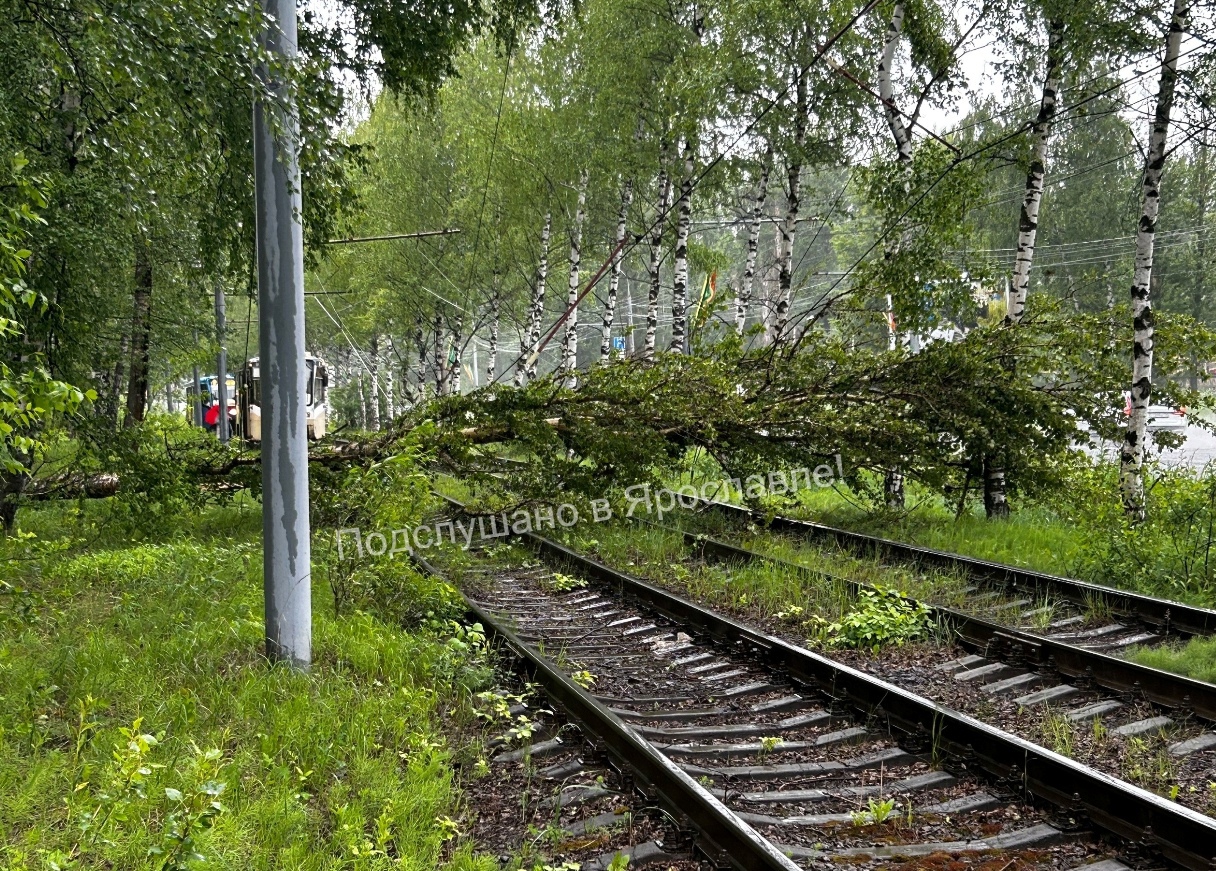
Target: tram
x,y
207,394
249,391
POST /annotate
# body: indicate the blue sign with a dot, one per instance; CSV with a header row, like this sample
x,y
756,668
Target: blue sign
x,y
618,343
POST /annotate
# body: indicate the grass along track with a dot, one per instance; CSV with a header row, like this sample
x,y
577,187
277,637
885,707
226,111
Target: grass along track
x,y
1166,617
835,743
1129,720
1134,626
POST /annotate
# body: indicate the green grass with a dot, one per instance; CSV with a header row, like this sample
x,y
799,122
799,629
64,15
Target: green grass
x,y
1196,658
1031,537
348,767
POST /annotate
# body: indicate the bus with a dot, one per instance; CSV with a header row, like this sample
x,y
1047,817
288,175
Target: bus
x,y
250,398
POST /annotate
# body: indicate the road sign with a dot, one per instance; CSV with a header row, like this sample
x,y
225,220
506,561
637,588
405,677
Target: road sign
x,y
618,343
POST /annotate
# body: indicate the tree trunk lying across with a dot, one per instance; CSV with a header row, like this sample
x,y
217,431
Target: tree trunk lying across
x,y
72,485
78,485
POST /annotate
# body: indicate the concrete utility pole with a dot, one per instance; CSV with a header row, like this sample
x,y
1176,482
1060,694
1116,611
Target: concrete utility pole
x,y
287,553
221,362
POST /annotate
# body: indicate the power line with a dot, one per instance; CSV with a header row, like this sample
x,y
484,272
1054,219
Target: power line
x,y
420,235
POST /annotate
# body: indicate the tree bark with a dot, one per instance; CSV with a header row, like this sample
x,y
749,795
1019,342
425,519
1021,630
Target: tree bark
x,y
420,370
454,359
570,339
744,300
886,87
679,297
893,484
390,385
656,253
141,328
495,307
1131,459
614,278
526,368
441,359
789,224
373,409
1028,225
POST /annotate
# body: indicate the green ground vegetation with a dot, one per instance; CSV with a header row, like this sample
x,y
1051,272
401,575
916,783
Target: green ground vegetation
x,y
809,594
141,727
1078,529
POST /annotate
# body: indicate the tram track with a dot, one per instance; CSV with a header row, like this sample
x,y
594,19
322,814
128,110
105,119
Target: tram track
x,y
1145,620
746,736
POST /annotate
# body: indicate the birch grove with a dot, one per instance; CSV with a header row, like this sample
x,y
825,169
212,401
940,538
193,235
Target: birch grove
x,y
744,300
614,278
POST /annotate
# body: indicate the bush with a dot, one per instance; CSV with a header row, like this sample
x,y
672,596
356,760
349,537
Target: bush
x,y
1169,554
878,618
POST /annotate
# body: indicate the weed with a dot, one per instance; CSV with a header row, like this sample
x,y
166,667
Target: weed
x,y
878,618
1149,764
768,744
877,813
559,583
584,678
1057,733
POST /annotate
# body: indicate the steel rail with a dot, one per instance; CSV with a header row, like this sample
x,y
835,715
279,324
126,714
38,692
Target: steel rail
x,y
1187,695
721,835
1184,836
1172,616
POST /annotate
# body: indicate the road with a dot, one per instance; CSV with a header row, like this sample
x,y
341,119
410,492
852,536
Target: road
x,y
1198,451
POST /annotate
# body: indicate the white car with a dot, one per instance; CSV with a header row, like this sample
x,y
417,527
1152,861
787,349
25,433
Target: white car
x,y
1167,418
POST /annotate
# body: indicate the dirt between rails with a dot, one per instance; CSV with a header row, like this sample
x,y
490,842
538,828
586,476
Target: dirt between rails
x,y
1144,760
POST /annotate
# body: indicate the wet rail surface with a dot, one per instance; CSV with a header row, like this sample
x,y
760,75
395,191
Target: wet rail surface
x,y
1142,620
744,736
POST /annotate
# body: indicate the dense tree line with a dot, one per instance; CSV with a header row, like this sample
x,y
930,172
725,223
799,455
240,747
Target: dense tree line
x,y
759,182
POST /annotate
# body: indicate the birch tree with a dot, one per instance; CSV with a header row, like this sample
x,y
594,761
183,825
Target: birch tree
x,y
614,277
570,339
746,288
679,292
1131,455
526,367
655,262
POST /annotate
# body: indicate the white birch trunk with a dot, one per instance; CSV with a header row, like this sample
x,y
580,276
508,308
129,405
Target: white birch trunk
x,y
744,300
629,342
893,484
570,339
373,419
390,383
1131,458
886,87
441,360
1028,225
454,359
362,401
420,371
789,223
526,368
614,278
656,253
492,350
679,296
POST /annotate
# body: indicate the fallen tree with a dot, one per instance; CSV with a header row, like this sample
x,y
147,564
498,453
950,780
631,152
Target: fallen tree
x,y
747,412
